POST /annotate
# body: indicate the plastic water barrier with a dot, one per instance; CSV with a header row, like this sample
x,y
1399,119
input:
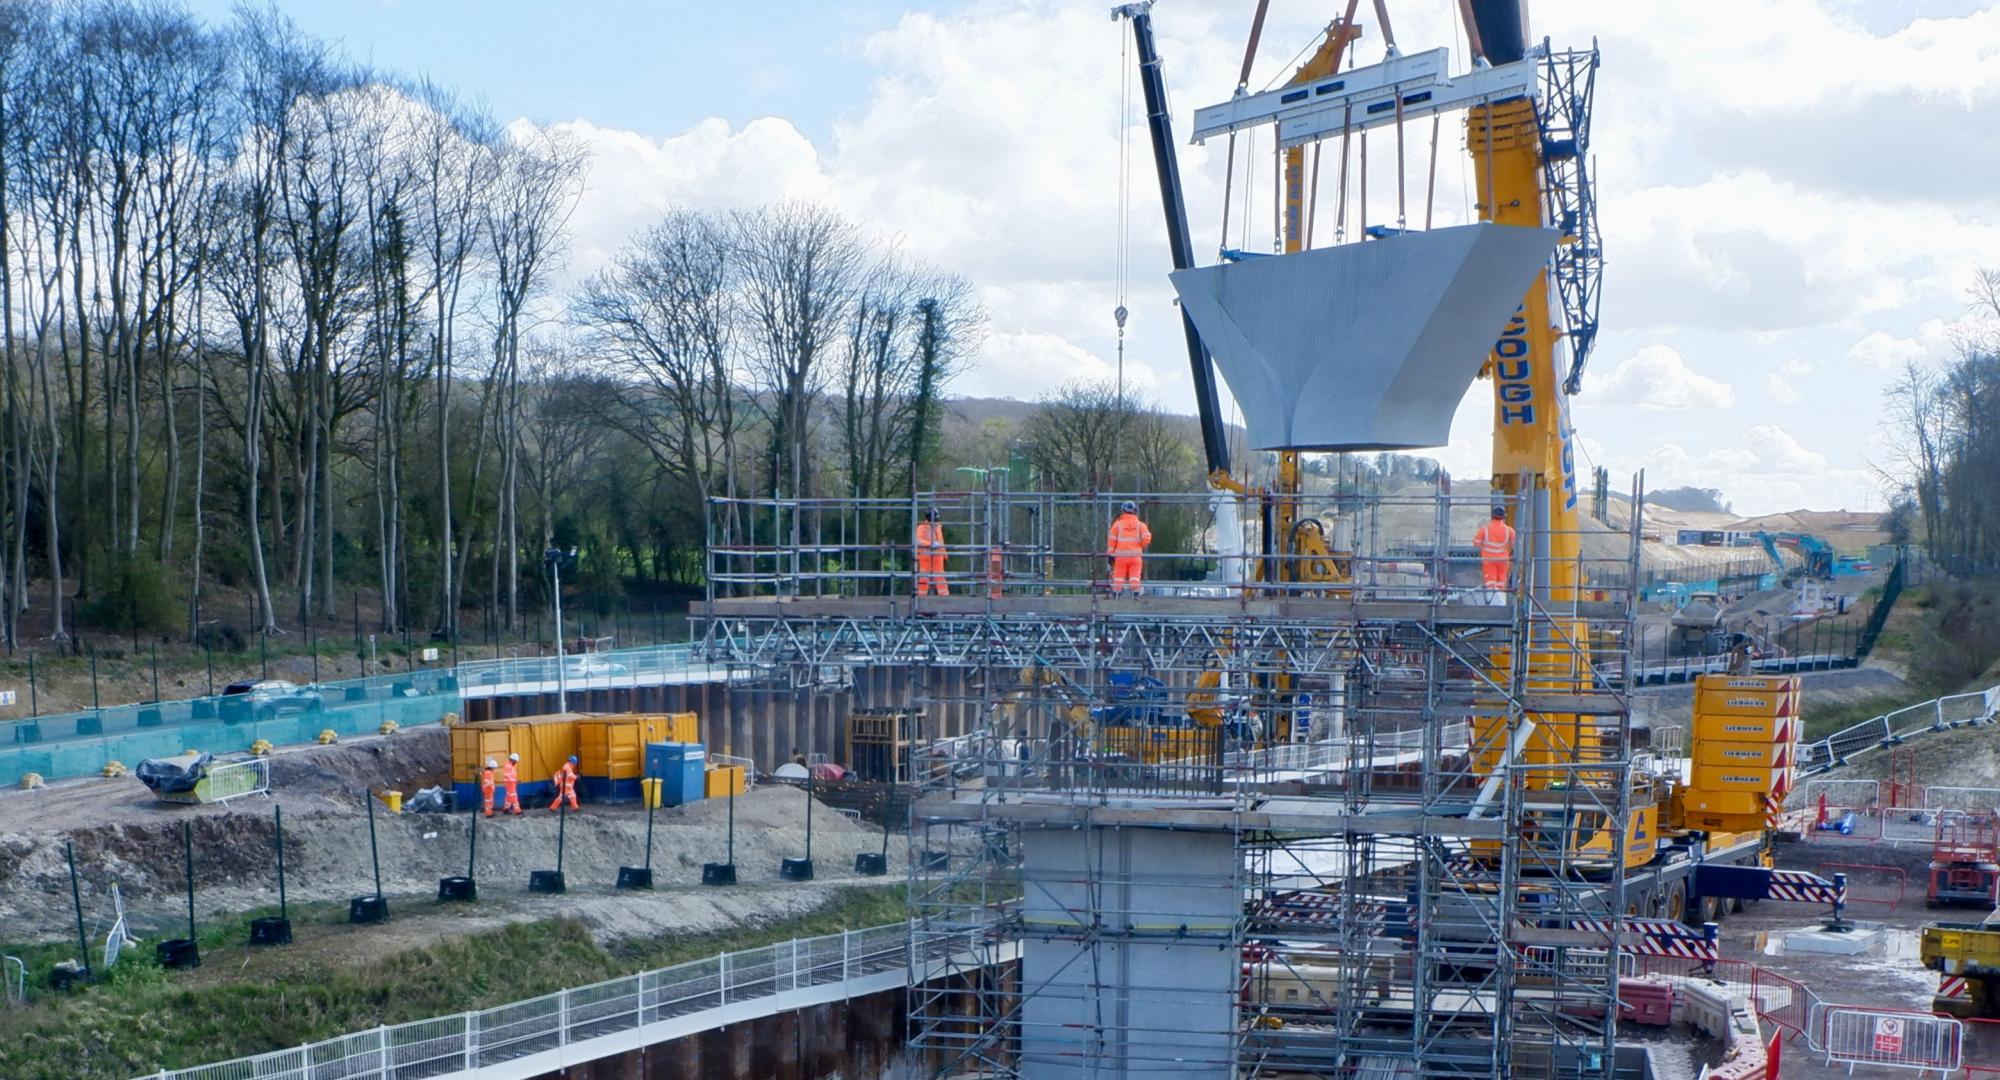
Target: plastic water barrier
x,y
82,743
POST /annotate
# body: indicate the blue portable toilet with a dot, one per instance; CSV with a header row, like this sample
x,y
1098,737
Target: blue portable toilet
x,y
681,769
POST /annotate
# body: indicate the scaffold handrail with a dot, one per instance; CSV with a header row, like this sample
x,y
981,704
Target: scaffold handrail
x,y
1410,547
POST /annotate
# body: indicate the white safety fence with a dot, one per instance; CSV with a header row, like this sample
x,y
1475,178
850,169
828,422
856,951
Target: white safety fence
x,y
1889,729
1887,1038
656,665
451,1044
1334,755
1856,806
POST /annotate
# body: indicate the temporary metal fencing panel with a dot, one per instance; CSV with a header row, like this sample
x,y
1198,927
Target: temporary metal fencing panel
x,y
1970,799
1889,1038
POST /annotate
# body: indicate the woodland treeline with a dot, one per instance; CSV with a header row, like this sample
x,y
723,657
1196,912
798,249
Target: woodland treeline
x,y
277,325
1944,424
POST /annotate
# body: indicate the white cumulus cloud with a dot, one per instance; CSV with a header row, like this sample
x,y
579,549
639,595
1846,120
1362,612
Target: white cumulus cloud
x,y
1657,377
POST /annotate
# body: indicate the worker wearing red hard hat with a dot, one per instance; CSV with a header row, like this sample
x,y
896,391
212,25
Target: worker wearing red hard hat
x,y
564,783
510,779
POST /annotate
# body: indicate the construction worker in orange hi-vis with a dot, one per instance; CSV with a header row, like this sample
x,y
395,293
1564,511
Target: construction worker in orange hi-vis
x,y
1495,541
564,783
510,781
1126,545
930,556
486,786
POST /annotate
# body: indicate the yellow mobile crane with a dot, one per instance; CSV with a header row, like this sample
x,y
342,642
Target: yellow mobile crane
x,y
1692,845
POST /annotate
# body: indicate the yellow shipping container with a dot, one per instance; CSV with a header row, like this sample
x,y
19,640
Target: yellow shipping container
x,y
544,743
724,781
613,746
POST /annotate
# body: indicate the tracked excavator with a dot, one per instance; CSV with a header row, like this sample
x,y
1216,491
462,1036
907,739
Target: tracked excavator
x,y
1696,834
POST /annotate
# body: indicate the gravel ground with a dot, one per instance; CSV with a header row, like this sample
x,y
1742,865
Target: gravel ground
x,y
1889,975
124,836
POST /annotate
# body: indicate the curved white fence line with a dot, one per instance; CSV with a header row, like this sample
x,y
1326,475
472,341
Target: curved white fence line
x,y
447,1045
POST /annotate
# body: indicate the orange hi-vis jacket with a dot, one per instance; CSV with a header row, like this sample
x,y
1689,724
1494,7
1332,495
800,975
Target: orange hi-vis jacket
x,y
930,538
1495,539
1129,536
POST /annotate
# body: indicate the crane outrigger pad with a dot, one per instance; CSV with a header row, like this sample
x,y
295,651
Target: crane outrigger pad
x,y
1365,346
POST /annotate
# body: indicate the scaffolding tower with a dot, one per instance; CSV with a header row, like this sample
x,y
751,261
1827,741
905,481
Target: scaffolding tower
x,y
1235,825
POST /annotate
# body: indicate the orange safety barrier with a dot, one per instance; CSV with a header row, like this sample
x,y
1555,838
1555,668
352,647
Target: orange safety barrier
x,y
1895,875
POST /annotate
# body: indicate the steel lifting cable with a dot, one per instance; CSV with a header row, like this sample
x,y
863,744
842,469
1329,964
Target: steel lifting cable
x,y
1431,186
1278,196
1312,197
1119,312
1389,52
1242,83
1346,136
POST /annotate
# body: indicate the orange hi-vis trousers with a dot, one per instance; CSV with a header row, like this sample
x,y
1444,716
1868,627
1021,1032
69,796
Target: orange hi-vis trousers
x,y
1126,572
510,780
1126,544
565,786
930,560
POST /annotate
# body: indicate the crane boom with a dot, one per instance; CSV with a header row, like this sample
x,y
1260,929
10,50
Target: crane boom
x,y
1160,126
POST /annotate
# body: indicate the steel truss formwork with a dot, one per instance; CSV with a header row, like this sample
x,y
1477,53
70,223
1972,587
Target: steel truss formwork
x,y
1238,824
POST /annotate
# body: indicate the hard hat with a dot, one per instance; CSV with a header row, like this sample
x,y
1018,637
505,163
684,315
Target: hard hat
x,y
1499,511
572,759
1129,507
490,764
513,757
931,514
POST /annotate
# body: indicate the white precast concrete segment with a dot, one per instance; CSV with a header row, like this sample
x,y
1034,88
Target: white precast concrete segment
x,y
1365,346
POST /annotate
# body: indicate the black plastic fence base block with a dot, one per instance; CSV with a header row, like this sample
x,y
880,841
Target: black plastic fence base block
x,y
635,877
271,931
364,910
459,889
178,953
64,979
546,881
937,860
718,873
796,870
871,864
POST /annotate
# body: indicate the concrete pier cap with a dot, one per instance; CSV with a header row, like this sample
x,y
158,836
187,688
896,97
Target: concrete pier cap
x,y
1362,346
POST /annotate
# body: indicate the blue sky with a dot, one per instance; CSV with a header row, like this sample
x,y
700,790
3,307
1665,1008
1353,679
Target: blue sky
x,y
1795,193
657,67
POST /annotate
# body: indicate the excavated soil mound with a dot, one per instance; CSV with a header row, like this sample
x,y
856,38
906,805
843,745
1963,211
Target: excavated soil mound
x,y
123,835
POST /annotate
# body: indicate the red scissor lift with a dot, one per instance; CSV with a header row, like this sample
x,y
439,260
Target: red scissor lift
x,y
1965,860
